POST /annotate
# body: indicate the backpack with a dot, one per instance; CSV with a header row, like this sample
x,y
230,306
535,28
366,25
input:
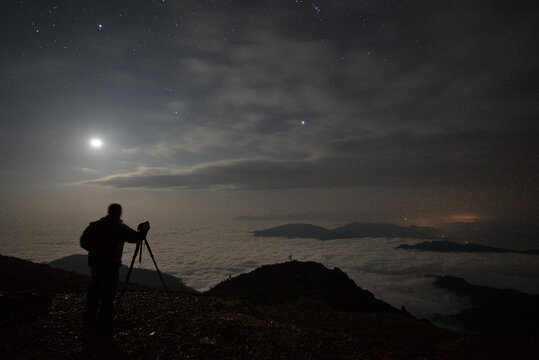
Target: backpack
x,y
90,236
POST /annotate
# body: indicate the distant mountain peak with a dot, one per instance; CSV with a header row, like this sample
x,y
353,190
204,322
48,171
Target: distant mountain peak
x,y
449,246
79,263
351,230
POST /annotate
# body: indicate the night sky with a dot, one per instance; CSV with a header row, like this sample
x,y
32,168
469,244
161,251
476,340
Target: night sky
x,y
336,110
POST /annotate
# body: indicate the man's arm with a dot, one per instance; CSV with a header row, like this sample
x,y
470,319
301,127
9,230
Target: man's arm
x,y
132,236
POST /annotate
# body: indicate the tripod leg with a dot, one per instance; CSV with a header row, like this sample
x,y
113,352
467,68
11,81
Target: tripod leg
x,y
126,282
160,276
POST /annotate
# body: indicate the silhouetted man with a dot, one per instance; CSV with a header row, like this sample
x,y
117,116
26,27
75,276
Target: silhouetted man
x,y
104,259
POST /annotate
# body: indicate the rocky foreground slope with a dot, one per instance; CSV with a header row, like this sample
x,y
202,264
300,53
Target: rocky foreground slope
x,y
41,319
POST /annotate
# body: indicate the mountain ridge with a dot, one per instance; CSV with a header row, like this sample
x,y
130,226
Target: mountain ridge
x,y
493,310
78,263
351,230
449,246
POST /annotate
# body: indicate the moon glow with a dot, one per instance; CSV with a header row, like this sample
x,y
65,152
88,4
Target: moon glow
x,y
96,143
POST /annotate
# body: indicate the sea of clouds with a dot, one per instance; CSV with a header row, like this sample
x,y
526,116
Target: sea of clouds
x,y
204,256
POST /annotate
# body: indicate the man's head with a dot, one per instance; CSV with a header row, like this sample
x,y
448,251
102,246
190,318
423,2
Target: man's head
x,y
115,210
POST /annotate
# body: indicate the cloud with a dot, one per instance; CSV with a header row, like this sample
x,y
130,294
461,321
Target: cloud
x,y
405,95
207,256
258,89
460,159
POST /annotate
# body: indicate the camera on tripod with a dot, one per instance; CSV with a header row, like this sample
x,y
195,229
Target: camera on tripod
x,y
144,227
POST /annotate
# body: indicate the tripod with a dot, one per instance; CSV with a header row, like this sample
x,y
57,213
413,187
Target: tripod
x,y
138,251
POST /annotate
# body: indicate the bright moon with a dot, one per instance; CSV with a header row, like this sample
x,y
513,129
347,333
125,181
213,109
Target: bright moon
x,y
96,143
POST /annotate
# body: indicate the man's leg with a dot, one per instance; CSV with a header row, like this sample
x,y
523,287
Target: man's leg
x,y
106,310
92,299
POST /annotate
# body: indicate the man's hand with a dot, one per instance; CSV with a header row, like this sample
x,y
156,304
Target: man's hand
x,y
144,227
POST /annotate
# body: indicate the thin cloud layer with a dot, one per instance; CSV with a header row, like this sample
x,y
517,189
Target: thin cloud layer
x,y
442,160
385,94
323,116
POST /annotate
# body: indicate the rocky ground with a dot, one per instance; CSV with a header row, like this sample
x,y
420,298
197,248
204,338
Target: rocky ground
x,y
48,325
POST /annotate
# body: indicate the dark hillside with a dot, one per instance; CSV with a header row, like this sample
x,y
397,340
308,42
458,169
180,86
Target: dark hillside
x,y
18,274
494,310
27,289
46,324
144,277
293,280
484,295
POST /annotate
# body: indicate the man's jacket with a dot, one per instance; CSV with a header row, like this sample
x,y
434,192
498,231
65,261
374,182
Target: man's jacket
x,y
109,244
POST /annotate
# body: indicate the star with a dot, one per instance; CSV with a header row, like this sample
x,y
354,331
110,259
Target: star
x,y
100,26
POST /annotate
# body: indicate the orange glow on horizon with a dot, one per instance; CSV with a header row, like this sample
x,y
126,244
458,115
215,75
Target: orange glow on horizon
x,y
439,220
466,218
